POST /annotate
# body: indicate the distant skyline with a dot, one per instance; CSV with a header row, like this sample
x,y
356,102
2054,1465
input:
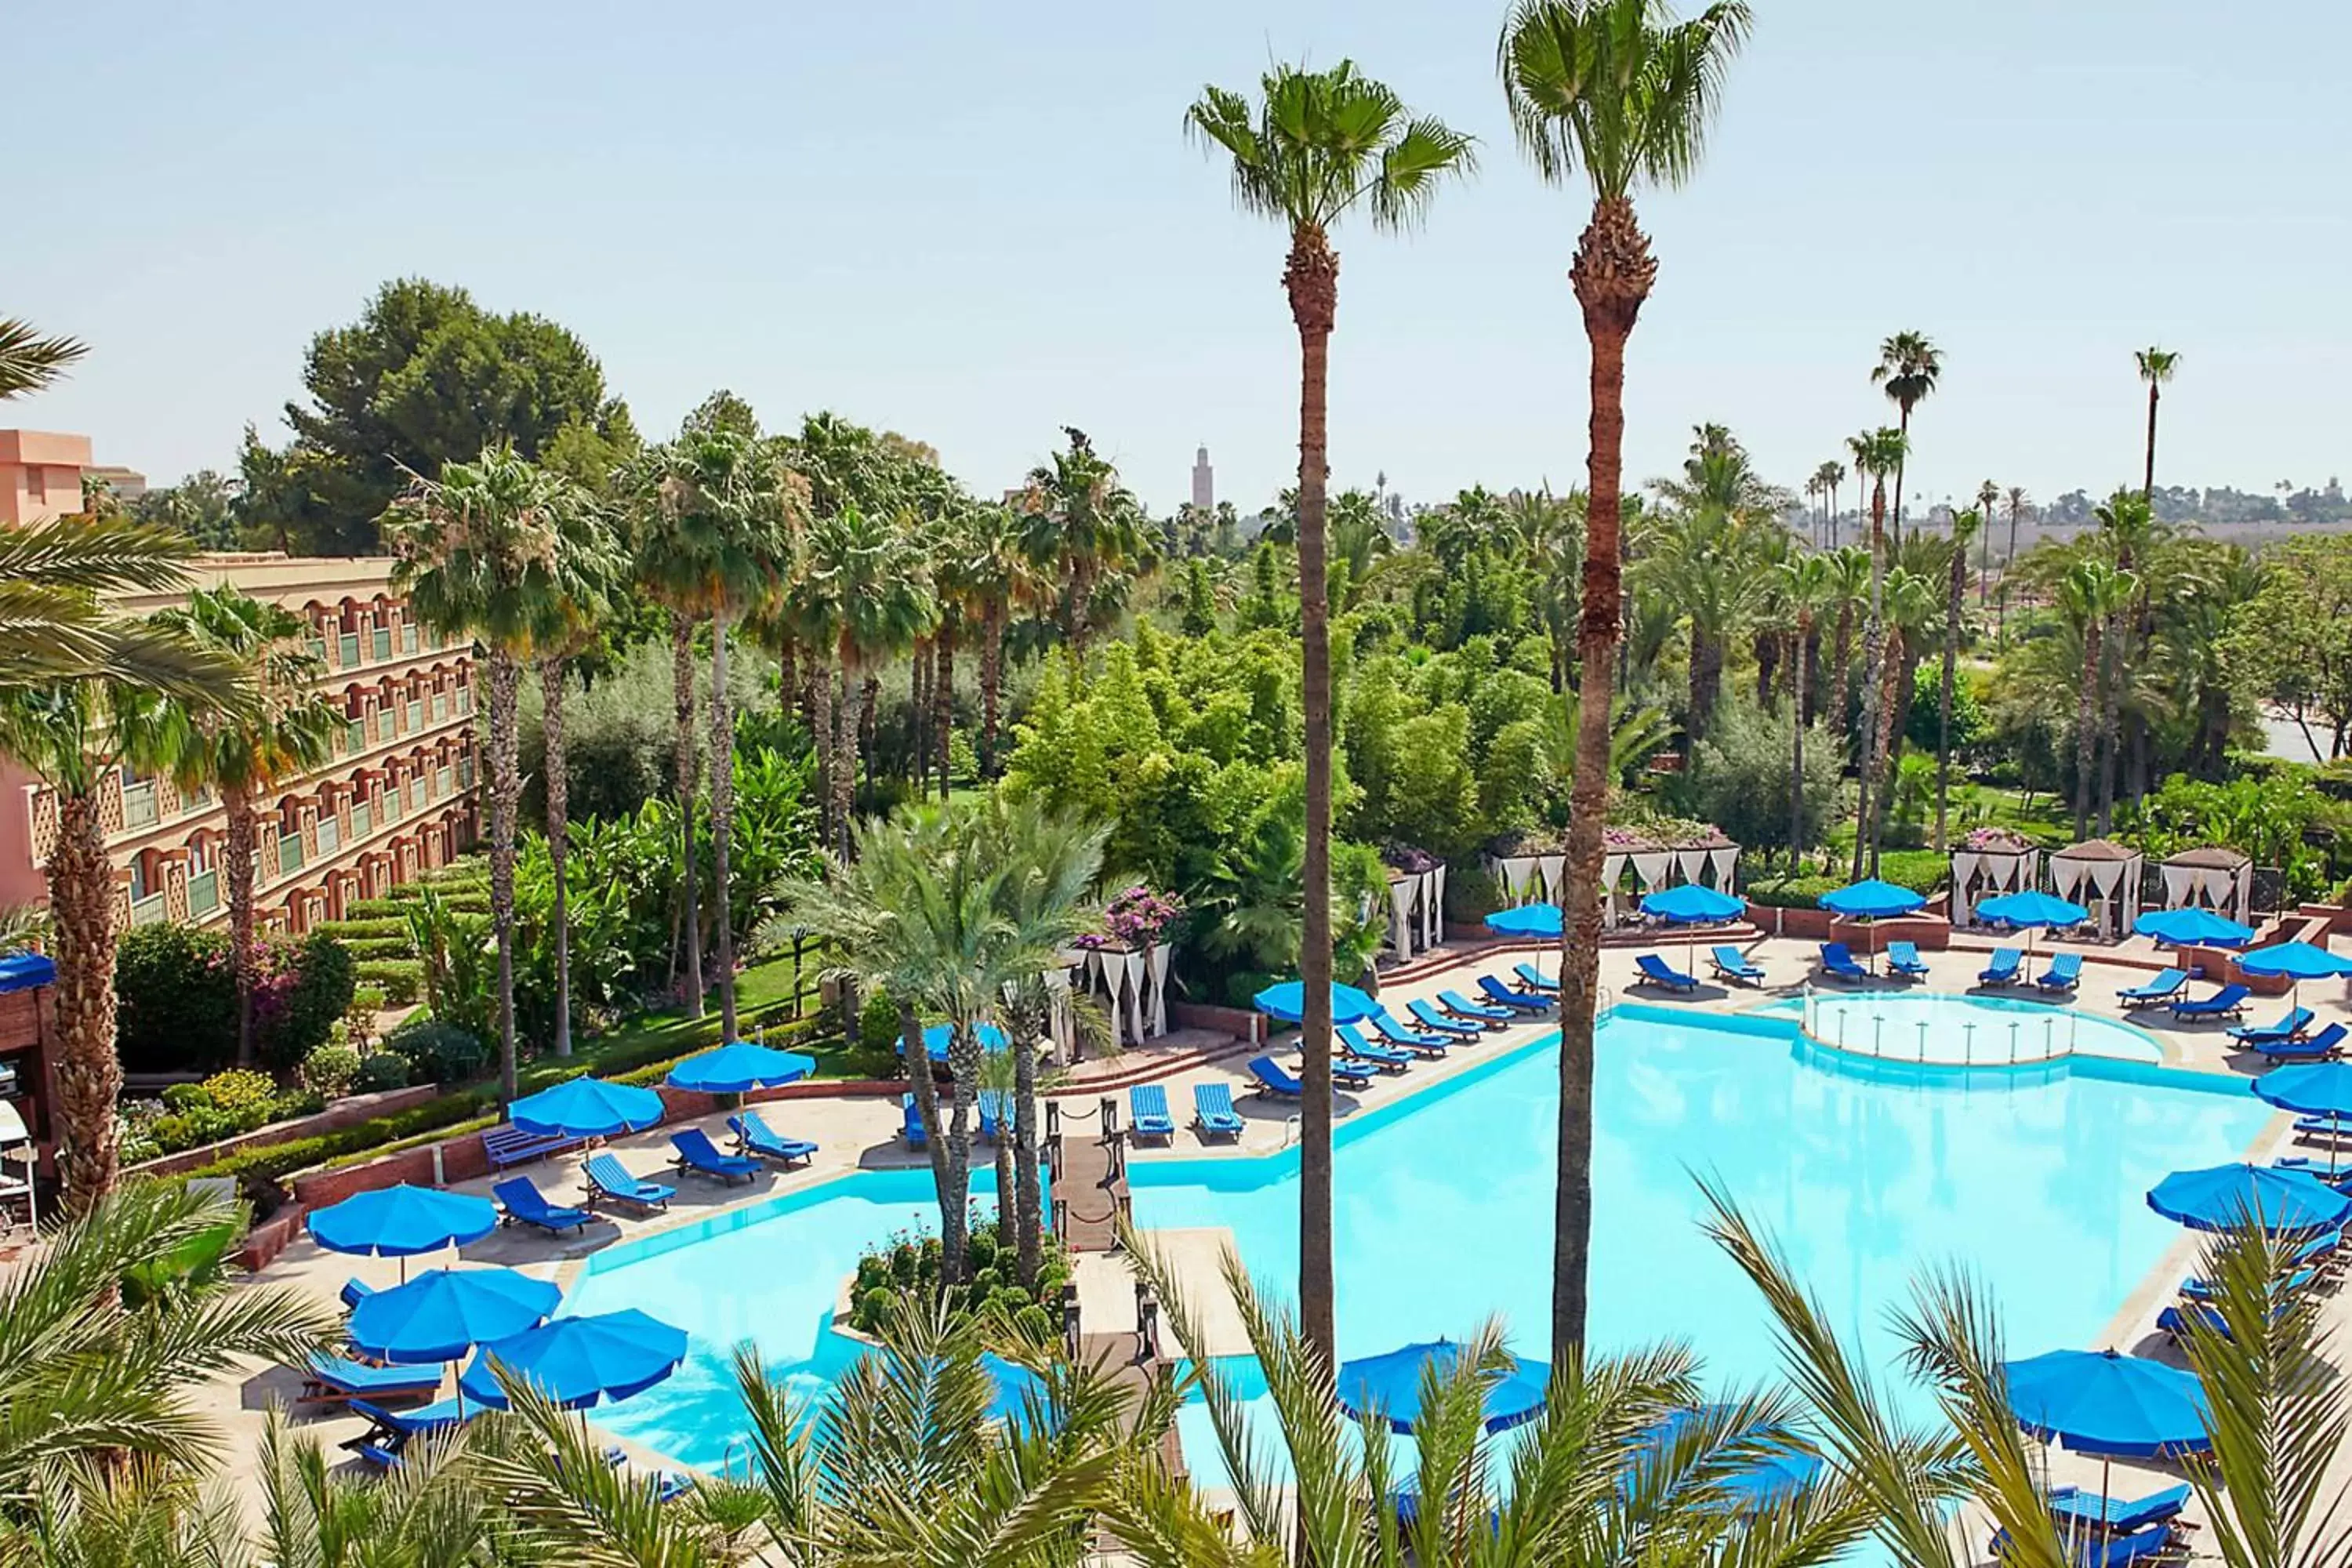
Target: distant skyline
x,y
975,226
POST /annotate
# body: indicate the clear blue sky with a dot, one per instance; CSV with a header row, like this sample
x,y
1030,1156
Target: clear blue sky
x,y
975,224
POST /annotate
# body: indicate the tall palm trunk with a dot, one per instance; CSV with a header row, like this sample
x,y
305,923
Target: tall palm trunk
x,y
918,717
869,700
245,945
681,655
964,1068
1311,279
992,681
559,834
2000,620
943,699
1612,274
1873,639
2148,484
88,1073
844,757
1840,675
1954,607
1797,744
820,694
1904,424
927,1109
788,690
1028,1020
1767,665
1706,677
722,821
506,791
2086,732
2114,654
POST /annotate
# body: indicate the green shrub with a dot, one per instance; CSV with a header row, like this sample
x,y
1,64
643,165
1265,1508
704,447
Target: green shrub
x,y
305,987
371,997
905,1263
363,947
380,1070
329,1070
1921,871
402,980
246,1098
350,930
269,1164
1792,892
437,1052
376,909
176,1000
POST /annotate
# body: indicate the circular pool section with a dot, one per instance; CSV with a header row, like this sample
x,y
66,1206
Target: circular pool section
x,y
1940,1030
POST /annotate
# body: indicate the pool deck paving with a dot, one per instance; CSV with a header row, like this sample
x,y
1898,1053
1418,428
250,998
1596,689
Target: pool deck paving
x,y
861,1132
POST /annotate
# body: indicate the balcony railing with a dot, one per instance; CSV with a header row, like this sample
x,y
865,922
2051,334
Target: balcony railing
x,y
363,819
348,650
319,649
408,638
355,735
139,808
203,894
289,855
416,795
465,772
438,707
415,713
382,642
330,835
441,779
149,911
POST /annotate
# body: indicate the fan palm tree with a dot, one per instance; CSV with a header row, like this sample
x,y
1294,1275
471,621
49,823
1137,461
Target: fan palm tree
x,y
1318,146
1909,366
2155,368
484,551
1621,91
1079,525
2020,504
1987,497
1849,567
728,512
2089,595
1878,454
1808,583
998,574
247,754
869,572
1964,525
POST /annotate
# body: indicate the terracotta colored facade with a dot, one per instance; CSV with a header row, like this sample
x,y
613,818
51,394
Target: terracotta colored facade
x,y
397,798
40,475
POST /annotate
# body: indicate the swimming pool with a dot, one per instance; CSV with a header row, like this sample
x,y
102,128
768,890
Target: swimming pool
x,y
1443,1206
1935,1026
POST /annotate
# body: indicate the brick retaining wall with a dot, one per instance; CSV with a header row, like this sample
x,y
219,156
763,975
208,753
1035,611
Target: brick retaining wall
x,y
349,1112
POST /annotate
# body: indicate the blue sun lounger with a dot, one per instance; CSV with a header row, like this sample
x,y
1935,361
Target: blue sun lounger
x,y
1146,1111
1355,1075
911,1127
2299,1280
2138,1549
2174,1323
525,1205
608,1179
1273,1078
1214,1113
1388,1059
2289,1027
698,1154
1461,1007
389,1431
2322,1046
1656,971
1396,1034
1903,958
1430,1018
1734,965
2229,1001
1502,996
2007,967
328,1378
2063,972
2116,1516
1837,962
2162,987
354,1291
754,1136
996,1107
1534,979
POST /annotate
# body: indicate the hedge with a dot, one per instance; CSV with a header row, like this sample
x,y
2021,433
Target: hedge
x,y
375,909
363,930
275,1162
365,948
402,980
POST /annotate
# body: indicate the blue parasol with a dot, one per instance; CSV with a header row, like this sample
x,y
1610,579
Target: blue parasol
x,y
2192,926
443,1313
740,1067
1287,1002
1390,1383
586,1108
1873,899
575,1362
1693,903
1528,919
402,1222
937,1037
2229,1195
1780,1465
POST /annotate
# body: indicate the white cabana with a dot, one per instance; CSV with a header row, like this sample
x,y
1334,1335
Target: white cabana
x,y
1523,875
2104,877
2215,878
1711,861
1130,983
1989,864
1417,910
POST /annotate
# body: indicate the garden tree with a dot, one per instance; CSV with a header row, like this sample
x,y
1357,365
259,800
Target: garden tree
x,y
1987,497
1754,773
246,754
1913,613
1358,541
725,514
1000,580
1877,455
2139,544
1705,553
1808,584
1318,146
1622,90
869,569
424,378
201,506
1964,525
1079,526
2195,650
2019,505
486,551
2089,595
1907,367
1200,600
1850,571
2155,368
2294,639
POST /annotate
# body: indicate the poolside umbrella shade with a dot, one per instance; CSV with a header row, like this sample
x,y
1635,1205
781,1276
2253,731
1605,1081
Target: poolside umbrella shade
x,y
576,1362
1692,904
2193,926
1873,899
739,1068
2031,910
2314,1088
2114,1405
1528,919
443,1313
402,1222
2298,960
2227,1196
1390,1383
1287,1002
1778,1467
586,1108
935,1040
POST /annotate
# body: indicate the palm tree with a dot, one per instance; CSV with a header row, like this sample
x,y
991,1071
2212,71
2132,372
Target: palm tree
x,y
55,580
1824,483
1319,146
1079,524
2088,595
431,1508
998,576
2019,505
2155,368
1849,568
247,754
1964,523
1907,367
30,361
1987,497
728,509
1620,89
1807,582
1879,454
483,552
869,573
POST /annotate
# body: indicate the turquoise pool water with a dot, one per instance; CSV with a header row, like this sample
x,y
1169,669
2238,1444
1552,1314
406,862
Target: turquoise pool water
x,y
1443,1207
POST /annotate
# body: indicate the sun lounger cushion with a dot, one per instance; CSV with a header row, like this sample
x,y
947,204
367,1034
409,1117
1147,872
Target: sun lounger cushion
x,y
2006,968
2227,1003
1534,979
1656,971
1410,1039
1503,995
1461,1007
2160,988
1213,1110
1733,964
608,1178
1429,1017
2063,972
1273,1078
1837,959
1147,1105
1903,957
754,1136
526,1204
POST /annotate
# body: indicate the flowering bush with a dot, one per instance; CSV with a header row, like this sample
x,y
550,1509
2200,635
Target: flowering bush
x,y
1136,917
1409,858
1995,838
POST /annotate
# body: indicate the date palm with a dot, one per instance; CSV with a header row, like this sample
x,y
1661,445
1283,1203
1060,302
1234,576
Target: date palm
x,y
1624,92
1987,497
1079,525
998,576
1909,366
1877,454
2155,368
1964,525
30,360
869,570
245,754
1808,584
1317,147
55,580
2019,505
2089,595
483,550
726,513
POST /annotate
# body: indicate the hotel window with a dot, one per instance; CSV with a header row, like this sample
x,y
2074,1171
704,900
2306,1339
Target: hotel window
x,y
36,484
138,878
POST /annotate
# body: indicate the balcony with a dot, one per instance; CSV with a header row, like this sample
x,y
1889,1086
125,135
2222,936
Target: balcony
x,y
414,712
289,855
204,895
408,638
416,795
330,835
139,807
383,644
363,819
466,773
441,779
347,654
355,736
149,911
